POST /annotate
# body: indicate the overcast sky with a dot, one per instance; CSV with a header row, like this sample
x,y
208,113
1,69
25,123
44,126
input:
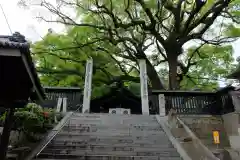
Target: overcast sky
x,y
24,21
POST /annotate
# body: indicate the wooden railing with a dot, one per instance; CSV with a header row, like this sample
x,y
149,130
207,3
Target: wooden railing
x,y
184,102
226,100
194,102
73,95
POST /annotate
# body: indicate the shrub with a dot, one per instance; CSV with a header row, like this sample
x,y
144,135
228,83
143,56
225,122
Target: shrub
x,y
32,120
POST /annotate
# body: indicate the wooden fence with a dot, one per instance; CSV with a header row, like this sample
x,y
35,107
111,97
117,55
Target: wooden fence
x,y
194,102
184,102
74,97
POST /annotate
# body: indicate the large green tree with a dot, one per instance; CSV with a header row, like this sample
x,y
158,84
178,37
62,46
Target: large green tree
x,y
61,65
209,66
136,27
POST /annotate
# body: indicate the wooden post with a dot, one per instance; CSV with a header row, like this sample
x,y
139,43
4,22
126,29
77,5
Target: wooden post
x,y
144,86
161,100
6,133
87,87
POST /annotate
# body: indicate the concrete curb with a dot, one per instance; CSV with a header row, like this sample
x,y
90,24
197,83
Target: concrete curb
x,y
49,136
162,121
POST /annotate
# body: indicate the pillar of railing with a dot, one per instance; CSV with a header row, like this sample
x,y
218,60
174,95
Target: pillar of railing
x,y
87,87
161,100
144,87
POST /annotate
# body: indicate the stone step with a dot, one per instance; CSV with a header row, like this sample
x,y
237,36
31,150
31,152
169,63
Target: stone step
x,y
76,153
109,148
126,142
128,117
134,128
127,126
120,126
114,151
92,115
60,136
110,137
109,140
149,118
113,143
110,122
106,157
119,118
115,118
112,140
96,129
82,145
112,134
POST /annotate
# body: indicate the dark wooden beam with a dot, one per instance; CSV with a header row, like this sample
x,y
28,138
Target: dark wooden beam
x,y
6,133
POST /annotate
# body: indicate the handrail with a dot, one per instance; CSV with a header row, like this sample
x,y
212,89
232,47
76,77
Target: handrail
x,y
61,127
197,141
163,123
54,134
51,135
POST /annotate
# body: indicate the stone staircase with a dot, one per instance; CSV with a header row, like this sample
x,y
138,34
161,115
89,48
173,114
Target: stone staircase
x,y
110,137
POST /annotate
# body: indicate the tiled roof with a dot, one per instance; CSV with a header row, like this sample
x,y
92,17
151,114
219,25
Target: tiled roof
x,y
16,41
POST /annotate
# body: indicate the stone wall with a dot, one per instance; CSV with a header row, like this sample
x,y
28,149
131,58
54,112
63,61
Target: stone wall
x,y
14,138
232,123
204,125
232,126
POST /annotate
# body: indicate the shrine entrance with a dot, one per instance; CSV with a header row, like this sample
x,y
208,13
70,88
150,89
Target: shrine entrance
x,y
120,100
119,96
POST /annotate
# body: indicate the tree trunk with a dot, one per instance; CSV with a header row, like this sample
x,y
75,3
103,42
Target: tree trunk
x,y
153,76
172,62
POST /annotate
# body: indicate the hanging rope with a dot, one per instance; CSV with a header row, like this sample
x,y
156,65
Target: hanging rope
x,y
6,19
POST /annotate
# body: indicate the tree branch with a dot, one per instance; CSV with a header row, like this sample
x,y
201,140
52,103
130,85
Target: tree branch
x,y
207,19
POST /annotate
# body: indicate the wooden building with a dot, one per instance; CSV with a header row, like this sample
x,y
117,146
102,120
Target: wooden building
x,y
18,81
18,76
118,97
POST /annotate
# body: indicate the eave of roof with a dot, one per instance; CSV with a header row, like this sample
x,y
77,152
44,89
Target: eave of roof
x,y
19,43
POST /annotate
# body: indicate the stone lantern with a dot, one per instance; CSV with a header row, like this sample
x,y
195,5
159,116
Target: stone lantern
x,y
18,81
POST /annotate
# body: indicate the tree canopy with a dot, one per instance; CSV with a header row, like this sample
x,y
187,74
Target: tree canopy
x,y
119,33
60,65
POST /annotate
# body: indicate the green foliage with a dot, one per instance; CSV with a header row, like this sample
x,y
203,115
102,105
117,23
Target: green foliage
x,y
100,91
62,58
214,63
3,117
134,88
233,31
127,26
32,120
